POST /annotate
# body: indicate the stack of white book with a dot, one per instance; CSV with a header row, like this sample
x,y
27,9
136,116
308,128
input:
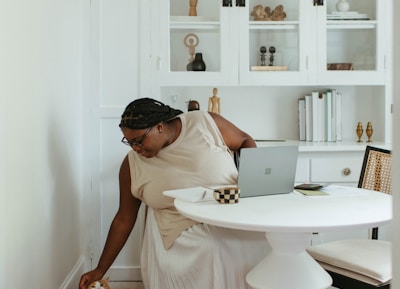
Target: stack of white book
x,y
320,116
348,15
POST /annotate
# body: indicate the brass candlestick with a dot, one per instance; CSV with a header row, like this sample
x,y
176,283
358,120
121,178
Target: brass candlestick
x,y
359,131
369,130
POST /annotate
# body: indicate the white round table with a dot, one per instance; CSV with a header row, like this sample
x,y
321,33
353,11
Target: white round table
x,y
288,221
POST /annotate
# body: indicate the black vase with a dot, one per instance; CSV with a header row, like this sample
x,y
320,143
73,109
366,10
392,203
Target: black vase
x,y
198,63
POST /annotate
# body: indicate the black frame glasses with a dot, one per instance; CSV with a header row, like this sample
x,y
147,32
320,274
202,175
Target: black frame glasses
x,y
137,143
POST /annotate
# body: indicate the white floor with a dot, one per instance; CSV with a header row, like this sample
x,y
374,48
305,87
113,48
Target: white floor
x,y
135,285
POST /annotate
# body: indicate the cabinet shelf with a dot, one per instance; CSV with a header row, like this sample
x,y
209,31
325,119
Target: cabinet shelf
x,y
273,25
195,25
194,22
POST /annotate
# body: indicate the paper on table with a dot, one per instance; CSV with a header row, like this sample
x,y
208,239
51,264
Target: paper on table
x,y
331,190
335,190
312,192
195,194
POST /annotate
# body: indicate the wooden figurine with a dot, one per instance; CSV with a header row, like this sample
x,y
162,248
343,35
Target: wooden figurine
x,y
192,7
214,102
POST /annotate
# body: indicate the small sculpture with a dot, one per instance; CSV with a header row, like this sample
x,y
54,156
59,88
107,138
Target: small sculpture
x,y
266,14
263,50
191,40
369,130
193,105
278,14
192,7
359,131
258,13
271,50
214,102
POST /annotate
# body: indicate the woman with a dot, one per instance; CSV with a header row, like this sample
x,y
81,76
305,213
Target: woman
x,y
173,150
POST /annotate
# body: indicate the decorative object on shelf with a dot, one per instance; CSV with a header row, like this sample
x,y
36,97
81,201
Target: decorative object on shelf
x,y
368,131
339,66
260,13
342,6
263,50
214,102
271,51
226,3
192,7
240,3
359,131
348,15
193,105
191,40
270,66
198,63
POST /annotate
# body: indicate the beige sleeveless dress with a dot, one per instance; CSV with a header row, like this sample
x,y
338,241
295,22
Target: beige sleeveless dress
x,y
179,253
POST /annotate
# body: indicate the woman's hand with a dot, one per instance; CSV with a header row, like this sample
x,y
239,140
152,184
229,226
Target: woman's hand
x,y
90,277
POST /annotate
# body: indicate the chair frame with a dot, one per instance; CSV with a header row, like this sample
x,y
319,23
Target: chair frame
x,y
341,281
368,149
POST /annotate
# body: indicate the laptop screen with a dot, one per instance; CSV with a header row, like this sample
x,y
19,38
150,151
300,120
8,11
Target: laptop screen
x,y
268,170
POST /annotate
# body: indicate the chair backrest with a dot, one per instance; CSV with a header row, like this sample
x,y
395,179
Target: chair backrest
x,y
376,173
376,170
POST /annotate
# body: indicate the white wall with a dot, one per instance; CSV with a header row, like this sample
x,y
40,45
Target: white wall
x,y
41,143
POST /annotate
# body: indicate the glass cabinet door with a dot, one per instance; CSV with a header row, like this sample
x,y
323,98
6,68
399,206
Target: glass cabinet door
x,y
351,42
273,40
190,29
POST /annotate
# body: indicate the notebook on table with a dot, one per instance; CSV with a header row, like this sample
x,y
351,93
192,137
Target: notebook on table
x,y
267,170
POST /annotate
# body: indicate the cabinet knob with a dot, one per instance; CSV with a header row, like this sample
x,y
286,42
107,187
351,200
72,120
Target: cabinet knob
x,y
346,171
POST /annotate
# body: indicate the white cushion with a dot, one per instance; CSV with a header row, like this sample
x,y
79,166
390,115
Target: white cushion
x,y
371,258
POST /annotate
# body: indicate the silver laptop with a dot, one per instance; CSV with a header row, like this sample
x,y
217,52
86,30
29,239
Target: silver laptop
x,y
267,170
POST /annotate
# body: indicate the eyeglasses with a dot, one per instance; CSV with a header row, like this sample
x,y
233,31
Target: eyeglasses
x,y
137,143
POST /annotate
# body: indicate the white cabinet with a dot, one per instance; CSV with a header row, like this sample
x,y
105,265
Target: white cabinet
x,y
210,32
330,167
305,42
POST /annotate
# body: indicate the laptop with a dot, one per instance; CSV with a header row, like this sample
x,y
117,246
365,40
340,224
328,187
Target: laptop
x,y
267,170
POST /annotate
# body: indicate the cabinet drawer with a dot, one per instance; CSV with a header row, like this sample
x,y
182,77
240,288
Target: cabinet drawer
x,y
339,169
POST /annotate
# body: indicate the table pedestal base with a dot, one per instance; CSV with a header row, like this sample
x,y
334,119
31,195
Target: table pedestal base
x,y
288,265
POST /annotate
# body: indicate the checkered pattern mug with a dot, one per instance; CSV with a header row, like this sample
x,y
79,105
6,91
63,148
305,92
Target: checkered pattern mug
x,y
227,195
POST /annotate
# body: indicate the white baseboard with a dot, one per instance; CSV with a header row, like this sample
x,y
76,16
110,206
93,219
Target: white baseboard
x,y
72,280
124,274
121,274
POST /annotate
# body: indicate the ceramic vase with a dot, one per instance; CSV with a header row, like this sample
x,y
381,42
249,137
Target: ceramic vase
x,y
198,63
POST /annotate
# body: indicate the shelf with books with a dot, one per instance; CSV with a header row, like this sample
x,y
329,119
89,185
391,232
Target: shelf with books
x,y
320,116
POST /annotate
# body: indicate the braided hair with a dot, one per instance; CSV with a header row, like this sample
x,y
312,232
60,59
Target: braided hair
x,y
146,112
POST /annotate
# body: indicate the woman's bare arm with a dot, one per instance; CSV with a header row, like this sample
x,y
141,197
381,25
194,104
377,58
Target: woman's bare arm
x,y
120,228
234,137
